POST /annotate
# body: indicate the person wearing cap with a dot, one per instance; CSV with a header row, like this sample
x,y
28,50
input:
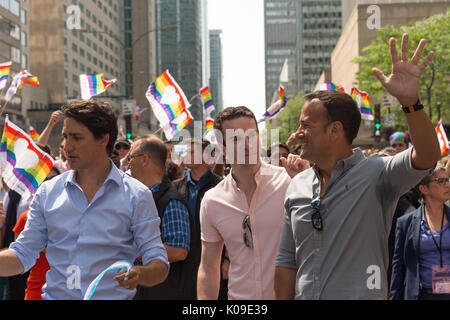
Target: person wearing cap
x,y
399,141
122,146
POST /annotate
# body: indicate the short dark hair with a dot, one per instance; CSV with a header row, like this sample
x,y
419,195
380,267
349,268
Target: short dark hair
x,y
97,116
232,113
155,148
277,145
201,142
340,107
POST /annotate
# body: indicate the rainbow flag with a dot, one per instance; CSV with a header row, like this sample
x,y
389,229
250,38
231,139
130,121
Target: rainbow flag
x,y
207,100
209,124
29,79
275,108
5,68
169,104
363,101
93,84
16,84
23,165
442,138
33,134
332,86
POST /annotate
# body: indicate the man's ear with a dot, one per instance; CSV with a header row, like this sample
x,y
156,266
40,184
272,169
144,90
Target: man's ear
x,y
336,130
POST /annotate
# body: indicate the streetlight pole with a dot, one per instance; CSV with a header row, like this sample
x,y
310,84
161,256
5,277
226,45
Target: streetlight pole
x,y
128,63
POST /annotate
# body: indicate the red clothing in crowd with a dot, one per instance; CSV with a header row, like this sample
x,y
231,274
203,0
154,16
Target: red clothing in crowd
x,y
36,279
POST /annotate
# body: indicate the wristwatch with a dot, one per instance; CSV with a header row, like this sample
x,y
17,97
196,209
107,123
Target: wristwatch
x,y
411,109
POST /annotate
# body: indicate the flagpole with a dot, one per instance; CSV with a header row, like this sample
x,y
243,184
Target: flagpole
x,y
154,133
3,108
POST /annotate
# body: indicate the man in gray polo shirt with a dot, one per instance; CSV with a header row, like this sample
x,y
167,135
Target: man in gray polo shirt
x,y
338,214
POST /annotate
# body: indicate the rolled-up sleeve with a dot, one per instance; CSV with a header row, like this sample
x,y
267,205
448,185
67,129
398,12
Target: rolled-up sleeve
x,y
286,249
34,237
145,228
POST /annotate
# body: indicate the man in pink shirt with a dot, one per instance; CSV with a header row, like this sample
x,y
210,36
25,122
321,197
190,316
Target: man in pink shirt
x,y
244,212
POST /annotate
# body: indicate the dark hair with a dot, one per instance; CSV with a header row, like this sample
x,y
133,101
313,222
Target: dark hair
x,y
171,171
97,116
154,148
277,145
232,113
340,107
201,142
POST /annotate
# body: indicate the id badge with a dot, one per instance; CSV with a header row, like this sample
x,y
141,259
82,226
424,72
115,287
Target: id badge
x,y
441,279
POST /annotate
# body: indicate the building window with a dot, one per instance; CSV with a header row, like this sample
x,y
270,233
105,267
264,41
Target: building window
x,y
15,54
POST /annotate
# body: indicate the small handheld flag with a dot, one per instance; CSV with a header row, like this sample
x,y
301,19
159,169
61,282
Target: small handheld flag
x,y
5,68
207,100
332,86
362,99
33,134
275,108
24,165
169,104
442,137
93,84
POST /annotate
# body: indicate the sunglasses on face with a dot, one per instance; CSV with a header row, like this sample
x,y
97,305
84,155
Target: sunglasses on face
x,y
122,146
441,181
316,218
247,232
395,145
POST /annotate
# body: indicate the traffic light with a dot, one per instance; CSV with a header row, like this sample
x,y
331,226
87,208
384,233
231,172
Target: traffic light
x,y
128,126
377,122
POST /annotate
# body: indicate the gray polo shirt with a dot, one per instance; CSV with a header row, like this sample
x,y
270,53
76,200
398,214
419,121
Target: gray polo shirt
x,y
348,259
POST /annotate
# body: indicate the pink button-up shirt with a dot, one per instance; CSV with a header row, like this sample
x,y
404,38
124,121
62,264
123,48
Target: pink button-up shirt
x,y
223,208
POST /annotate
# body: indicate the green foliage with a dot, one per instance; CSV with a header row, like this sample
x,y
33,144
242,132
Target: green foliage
x,y
434,82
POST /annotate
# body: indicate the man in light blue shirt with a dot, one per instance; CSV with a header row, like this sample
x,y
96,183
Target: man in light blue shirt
x,y
90,217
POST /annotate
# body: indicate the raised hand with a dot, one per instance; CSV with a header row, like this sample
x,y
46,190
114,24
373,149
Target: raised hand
x,y
403,83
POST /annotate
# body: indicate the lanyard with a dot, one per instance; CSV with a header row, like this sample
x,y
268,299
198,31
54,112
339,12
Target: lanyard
x,y
440,237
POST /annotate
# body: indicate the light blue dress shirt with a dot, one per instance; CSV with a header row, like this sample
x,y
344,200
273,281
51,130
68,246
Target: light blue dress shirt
x,y
120,223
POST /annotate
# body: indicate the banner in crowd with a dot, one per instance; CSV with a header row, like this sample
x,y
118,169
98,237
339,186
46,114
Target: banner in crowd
x,y
207,100
33,134
19,80
93,84
275,108
24,166
5,68
362,99
169,104
442,137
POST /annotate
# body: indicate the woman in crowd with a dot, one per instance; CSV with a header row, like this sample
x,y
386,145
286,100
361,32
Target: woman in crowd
x,y
422,244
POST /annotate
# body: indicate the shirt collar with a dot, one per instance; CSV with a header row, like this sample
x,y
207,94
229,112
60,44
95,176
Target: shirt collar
x,y
114,175
346,164
257,174
200,181
155,187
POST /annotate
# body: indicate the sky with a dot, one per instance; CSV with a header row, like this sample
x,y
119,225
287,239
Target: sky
x,y
242,25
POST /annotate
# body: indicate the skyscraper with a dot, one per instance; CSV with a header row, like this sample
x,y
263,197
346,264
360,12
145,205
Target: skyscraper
x,y
180,51
280,25
215,80
14,47
319,26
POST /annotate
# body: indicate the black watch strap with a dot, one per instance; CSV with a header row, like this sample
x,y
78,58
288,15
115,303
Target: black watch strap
x,y
411,109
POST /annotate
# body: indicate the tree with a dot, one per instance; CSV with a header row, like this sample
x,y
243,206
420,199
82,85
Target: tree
x,y
435,80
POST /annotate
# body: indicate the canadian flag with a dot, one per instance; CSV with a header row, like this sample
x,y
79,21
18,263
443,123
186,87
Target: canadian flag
x,y
442,137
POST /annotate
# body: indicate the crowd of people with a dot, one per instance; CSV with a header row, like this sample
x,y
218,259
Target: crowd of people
x,y
311,218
